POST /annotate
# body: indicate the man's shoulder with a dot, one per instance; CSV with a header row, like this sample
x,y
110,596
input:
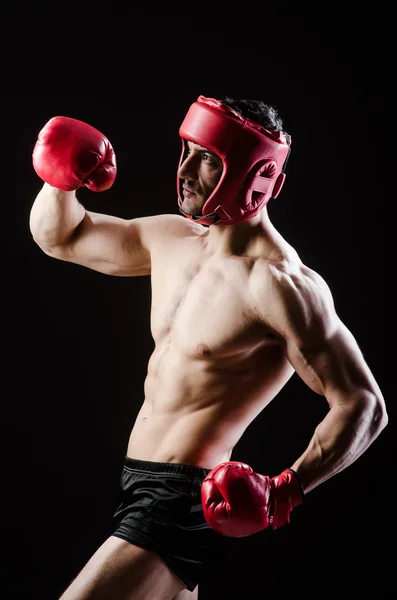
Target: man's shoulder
x,y
156,229
285,273
292,298
169,222
279,262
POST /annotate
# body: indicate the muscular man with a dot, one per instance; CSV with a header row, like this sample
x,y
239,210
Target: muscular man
x,y
235,313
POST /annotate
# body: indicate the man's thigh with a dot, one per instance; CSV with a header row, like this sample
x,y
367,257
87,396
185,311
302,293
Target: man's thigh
x,y
122,571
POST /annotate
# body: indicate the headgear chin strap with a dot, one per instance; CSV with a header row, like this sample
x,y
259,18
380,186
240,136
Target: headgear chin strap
x,y
253,158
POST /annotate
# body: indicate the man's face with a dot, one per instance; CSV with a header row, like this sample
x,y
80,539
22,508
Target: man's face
x,y
200,172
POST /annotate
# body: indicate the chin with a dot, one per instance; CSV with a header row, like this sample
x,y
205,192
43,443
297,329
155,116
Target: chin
x,y
194,211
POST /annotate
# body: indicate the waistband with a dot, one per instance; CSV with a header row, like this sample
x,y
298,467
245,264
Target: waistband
x,y
162,467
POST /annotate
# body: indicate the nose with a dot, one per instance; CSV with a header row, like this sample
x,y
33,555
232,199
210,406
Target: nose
x,y
187,169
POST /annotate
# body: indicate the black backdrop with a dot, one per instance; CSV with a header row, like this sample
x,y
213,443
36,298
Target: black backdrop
x,y
76,343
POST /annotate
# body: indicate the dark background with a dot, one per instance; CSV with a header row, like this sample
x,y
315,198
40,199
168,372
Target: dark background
x,y
76,343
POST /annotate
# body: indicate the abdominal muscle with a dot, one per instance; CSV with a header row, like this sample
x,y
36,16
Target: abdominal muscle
x,y
196,410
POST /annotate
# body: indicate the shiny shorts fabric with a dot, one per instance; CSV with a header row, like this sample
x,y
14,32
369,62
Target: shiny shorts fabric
x,y
160,510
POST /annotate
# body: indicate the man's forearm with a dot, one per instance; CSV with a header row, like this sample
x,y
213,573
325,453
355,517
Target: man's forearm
x,y
54,217
341,437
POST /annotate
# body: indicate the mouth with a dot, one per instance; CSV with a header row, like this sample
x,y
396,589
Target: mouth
x,y
188,191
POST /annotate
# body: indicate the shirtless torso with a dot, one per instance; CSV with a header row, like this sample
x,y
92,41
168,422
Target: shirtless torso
x,y
215,366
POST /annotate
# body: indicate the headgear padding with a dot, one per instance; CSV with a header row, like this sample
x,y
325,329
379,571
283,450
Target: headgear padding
x,y
253,160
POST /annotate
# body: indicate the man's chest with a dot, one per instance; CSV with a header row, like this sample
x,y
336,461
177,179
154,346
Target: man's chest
x,y
206,306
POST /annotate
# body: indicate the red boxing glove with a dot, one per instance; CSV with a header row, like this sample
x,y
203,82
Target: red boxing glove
x,y
238,502
70,154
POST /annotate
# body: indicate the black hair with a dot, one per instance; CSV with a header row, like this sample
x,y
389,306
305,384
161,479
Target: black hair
x,y
258,111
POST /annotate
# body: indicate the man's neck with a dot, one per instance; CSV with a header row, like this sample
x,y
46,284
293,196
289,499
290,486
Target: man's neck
x,y
241,238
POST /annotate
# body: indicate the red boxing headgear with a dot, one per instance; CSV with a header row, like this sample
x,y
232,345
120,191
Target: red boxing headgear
x,y
253,161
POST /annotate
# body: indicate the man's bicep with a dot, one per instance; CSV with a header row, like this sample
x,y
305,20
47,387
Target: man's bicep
x,y
301,310
108,244
332,365
320,347
123,247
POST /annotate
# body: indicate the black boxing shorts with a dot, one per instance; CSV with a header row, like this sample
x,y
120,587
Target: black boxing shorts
x,y
160,510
